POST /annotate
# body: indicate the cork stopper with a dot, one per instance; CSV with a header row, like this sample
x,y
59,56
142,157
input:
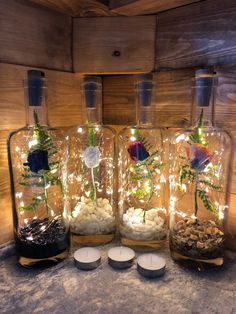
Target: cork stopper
x,y
91,85
203,83
35,84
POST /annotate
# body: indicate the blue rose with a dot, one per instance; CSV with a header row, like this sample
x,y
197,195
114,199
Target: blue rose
x,y
37,160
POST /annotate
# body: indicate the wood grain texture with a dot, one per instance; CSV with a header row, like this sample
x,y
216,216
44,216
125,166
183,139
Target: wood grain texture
x,y
140,7
63,97
173,98
34,36
77,8
64,110
198,34
98,40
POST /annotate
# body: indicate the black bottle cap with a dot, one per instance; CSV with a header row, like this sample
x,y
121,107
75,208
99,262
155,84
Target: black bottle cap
x,y
203,83
145,87
35,87
91,85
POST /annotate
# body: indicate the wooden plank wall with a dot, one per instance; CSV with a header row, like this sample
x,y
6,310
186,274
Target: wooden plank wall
x,y
34,36
114,44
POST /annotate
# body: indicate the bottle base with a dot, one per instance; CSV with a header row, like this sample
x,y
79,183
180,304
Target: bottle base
x,y
197,263
147,245
92,240
49,261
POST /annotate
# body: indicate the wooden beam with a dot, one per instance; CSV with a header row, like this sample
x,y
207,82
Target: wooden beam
x,y
195,35
114,44
140,7
77,8
34,36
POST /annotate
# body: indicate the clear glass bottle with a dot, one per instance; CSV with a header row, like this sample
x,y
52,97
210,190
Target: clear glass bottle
x,y
142,210
37,154
91,171
199,182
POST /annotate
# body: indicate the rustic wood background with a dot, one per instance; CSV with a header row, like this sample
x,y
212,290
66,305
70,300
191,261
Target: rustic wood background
x,y
61,38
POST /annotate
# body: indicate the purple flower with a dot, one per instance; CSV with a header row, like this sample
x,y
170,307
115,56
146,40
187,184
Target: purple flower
x,y
137,151
199,156
37,160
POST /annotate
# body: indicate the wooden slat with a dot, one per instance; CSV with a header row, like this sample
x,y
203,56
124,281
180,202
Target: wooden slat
x,y
199,34
63,97
140,7
34,36
77,8
98,40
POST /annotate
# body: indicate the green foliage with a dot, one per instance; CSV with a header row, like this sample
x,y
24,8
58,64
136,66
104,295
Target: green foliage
x,y
194,176
186,173
206,201
92,141
213,186
197,135
44,178
140,193
150,165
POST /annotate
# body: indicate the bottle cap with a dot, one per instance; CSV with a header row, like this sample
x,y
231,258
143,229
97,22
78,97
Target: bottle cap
x,y
35,84
203,84
91,84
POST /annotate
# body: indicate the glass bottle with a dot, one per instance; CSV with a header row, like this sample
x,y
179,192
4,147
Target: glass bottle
x,y
37,154
91,171
199,181
142,211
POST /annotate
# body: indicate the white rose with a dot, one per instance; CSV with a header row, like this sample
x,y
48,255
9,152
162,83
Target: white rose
x,y
91,156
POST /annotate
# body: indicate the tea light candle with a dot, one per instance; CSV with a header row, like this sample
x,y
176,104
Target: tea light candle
x,y
151,265
121,257
87,258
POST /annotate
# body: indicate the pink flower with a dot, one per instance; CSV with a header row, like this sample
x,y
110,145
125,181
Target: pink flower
x,y
199,156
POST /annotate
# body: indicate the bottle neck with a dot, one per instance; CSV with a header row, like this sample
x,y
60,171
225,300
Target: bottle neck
x,y
41,114
92,103
35,100
207,116
203,103
145,93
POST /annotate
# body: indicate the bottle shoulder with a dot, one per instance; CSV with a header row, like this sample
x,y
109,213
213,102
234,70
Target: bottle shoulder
x,y
84,128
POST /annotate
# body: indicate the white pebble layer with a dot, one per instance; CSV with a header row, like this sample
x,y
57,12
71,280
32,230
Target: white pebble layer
x,y
133,227
91,218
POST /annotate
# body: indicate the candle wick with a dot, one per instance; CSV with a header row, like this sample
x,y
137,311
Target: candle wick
x,y
151,259
87,252
120,250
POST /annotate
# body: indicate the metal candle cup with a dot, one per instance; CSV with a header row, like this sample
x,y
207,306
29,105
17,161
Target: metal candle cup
x,y
120,257
151,265
87,258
